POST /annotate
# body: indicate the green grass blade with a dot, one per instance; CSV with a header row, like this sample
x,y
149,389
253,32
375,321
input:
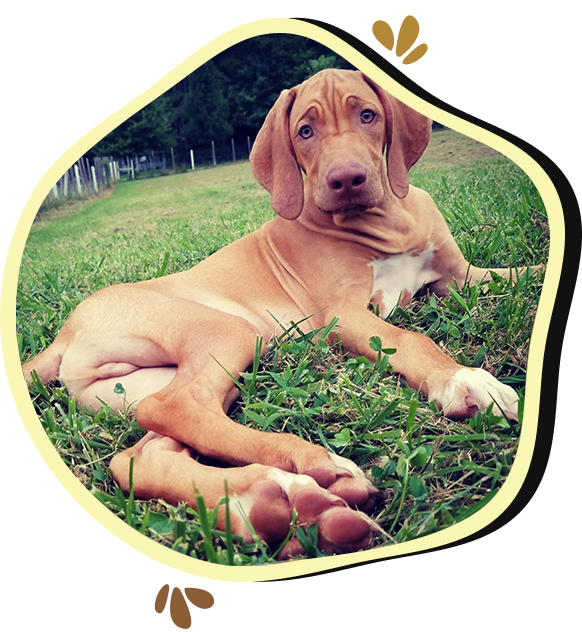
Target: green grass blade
x,y
205,527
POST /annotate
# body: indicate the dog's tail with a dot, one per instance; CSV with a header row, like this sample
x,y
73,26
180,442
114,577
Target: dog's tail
x,y
511,274
47,363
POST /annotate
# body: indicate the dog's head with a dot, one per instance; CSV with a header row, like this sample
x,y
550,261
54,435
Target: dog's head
x,y
336,128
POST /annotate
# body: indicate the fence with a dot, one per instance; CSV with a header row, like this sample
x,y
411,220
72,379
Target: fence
x,y
89,176
153,163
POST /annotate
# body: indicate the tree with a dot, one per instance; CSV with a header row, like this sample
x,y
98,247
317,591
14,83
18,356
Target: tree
x,y
321,63
147,130
204,114
260,67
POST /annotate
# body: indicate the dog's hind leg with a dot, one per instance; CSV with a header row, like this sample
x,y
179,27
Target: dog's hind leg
x,y
191,409
177,359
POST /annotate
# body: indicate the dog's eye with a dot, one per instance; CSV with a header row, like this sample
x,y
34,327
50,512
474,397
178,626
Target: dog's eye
x,y
306,132
367,116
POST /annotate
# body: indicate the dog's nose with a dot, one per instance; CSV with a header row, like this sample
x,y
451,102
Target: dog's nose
x,y
347,179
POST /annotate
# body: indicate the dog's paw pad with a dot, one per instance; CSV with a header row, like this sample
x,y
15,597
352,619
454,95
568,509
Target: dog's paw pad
x,y
343,529
324,477
270,514
339,530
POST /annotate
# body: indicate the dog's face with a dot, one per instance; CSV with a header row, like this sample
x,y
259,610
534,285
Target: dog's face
x,y
336,128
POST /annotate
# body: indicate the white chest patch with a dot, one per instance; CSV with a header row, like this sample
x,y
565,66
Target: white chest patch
x,y
400,277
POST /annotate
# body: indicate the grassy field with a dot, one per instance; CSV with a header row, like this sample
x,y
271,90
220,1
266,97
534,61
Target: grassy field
x,y
435,472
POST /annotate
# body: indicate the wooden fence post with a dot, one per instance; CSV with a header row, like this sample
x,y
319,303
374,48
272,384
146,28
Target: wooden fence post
x,y
78,179
173,161
249,145
233,153
94,179
213,154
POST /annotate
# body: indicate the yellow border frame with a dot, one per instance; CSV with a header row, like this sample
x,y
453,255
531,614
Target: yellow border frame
x,y
39,490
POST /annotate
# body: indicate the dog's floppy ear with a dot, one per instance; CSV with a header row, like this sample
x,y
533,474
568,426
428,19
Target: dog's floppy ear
x,y
407,135
273,160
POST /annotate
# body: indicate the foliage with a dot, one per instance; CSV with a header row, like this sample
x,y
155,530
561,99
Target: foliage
x,y
204,113
260,68
226,97
148,130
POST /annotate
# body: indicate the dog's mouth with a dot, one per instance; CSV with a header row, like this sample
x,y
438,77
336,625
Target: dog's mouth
x,y
353,209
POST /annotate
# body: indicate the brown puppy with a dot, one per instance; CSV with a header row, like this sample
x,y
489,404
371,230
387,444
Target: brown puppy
x,y
334,153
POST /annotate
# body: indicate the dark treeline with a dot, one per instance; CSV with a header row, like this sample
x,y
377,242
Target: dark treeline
x,y
228,97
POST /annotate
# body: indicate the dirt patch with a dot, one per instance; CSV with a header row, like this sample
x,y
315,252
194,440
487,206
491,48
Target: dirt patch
x,y
68,208
448,148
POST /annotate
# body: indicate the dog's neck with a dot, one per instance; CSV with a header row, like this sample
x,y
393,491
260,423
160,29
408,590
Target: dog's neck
x,y
388,228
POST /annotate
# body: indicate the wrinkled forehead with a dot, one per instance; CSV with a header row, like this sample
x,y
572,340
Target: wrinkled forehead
x,y
331,92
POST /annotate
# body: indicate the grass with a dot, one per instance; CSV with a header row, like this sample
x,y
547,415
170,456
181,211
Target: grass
x,y
435,472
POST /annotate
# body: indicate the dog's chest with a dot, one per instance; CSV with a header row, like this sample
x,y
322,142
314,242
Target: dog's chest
x,y
399,277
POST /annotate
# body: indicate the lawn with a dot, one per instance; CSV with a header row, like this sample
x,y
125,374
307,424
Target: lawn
x,y
435,472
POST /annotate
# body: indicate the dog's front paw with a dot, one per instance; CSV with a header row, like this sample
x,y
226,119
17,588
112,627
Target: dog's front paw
x,y
469,390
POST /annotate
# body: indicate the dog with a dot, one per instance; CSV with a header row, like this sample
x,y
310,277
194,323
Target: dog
x,y
334,153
